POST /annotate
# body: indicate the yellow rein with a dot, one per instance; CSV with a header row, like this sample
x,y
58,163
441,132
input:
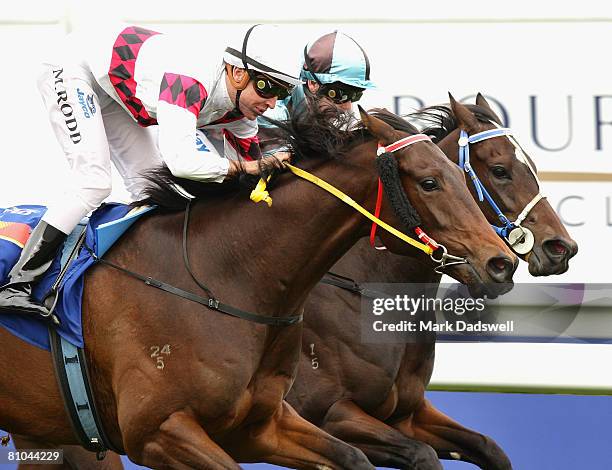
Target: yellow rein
x,y
261,194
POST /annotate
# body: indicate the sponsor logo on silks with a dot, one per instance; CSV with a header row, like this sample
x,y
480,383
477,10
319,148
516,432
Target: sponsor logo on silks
x,y
84,105
91,105
65,107
15,232
200,145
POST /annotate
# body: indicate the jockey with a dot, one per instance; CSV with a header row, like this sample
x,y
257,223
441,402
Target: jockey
x,y
103,90
335,69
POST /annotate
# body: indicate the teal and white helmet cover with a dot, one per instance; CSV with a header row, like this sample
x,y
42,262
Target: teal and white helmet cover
x,y
336,57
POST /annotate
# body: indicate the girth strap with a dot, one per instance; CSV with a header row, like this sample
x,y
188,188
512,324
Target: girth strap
x,y
211,303
75,386
71,369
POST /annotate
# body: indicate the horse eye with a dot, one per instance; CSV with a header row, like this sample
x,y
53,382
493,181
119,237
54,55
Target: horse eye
x,y
500,172
429,184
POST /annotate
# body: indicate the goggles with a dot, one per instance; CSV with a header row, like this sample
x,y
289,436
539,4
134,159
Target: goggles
x,y
267,87
340,93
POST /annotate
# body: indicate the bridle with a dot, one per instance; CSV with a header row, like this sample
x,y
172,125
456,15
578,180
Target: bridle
x,y
520,238
444,259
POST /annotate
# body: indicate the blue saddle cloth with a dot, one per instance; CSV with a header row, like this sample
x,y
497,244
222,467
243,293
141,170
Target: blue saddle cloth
x,y
105,227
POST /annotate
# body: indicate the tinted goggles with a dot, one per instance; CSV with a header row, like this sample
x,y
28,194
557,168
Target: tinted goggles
x,y
267,87
340,93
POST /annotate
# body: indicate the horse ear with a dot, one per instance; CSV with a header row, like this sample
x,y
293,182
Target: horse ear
x,y
380,129
466,118
483,103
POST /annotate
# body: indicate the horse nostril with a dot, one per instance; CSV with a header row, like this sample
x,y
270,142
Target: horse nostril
x,y
501,268
498,263
556,248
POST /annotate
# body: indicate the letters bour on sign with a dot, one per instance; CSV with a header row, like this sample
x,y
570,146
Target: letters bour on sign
x,y
567,123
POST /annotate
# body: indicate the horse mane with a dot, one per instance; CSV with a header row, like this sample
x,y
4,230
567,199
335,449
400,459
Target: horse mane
x,y
312,133
395,121
441,120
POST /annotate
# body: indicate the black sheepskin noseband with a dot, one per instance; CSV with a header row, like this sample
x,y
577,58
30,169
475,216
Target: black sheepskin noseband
x,y
389,175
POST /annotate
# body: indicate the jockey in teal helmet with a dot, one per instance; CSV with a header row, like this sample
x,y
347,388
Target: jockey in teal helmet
x,y
335,68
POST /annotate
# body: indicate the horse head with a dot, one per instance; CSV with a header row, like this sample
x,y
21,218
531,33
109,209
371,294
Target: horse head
x,y
508,191
436,189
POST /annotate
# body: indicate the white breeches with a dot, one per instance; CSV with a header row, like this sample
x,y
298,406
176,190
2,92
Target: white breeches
x,y
93,130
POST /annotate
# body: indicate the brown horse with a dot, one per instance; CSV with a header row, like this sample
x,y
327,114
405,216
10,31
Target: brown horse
x,y
372,395
509,181
218,399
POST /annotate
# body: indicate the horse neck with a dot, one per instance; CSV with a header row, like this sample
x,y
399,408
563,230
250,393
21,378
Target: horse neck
x,y
277,254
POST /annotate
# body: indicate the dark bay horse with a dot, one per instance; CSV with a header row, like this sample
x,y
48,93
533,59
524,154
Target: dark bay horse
x,y
219,398
372,395
508,180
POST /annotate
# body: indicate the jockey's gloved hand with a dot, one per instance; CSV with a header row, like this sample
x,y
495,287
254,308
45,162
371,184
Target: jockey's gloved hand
x,y
257,167
267,165
281,158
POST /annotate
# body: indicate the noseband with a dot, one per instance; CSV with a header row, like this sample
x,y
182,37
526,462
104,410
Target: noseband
x,y
520,238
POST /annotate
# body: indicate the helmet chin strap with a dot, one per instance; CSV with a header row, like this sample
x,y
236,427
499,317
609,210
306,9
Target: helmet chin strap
x,y
238,92
238,85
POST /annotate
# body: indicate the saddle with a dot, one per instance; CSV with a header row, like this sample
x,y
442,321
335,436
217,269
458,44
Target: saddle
x,y
61,287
